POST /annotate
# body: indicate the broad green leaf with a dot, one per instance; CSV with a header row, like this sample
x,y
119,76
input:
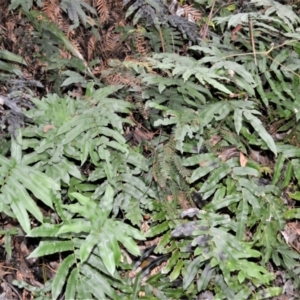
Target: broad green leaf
x,y
253,201
281,57
215,177
101,94
19,210
127,242
22,195
71,168
238,120
38,183
244,171
75,226
296,165
172,261
107,200
204,170
7,55
288,175
93,287
158,229
289,151
16,149
191,272
255,271
136,286
258,127
198,159
295,196
61,275
269,292
87,246
205,278
51,247
126,229
4,162
45,230
10,68
107,253
241,216
98,280
293,213
221,202
177,269
73,77
278,168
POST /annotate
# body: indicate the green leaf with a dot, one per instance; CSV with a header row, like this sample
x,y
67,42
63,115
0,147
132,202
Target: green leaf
x,y
176,271
127,242
202,171
278,168
61,275
258,127
107,201
295,196
16,149
238,120
107,253
293,213
241,216
36,182
205,277
215,177
136,286
45,230
268,293
288,175
20,212
75,226
98,280
51,247
71,285
172,261
22,195
244,171
158,229
87,246
191,272
10,68
7,55
221,202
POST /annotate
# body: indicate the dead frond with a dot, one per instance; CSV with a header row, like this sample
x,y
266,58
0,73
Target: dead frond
x,y
102,10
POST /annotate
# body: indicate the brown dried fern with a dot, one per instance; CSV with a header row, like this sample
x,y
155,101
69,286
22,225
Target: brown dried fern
x,y
91,47
102,10
51,9
140,42
191,13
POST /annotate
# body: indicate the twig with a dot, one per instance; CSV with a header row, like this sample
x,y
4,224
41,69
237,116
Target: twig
x,y
208,20
252,39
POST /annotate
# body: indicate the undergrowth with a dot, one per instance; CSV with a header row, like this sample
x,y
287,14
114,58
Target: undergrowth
x,y
192,153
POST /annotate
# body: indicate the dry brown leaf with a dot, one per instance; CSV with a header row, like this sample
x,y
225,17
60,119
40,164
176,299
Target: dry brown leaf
x,y
243,160
228,153
215,139
2,272
259,158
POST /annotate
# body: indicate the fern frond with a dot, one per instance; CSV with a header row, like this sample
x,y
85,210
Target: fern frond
x,y
140,42
52,9
91,47
102,10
